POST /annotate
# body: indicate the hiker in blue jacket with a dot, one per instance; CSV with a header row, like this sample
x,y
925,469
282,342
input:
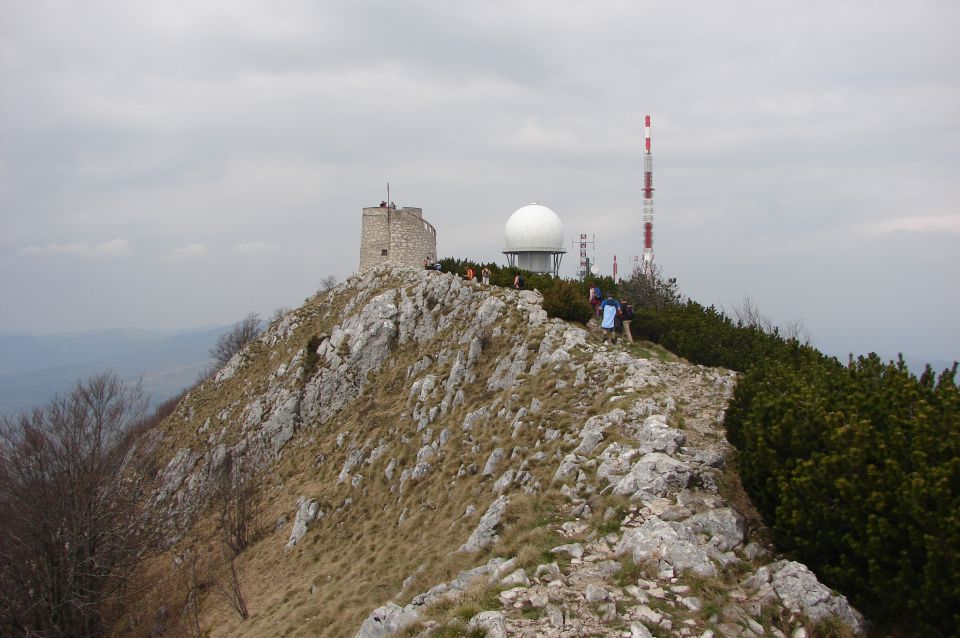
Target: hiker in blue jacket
x,y
609,309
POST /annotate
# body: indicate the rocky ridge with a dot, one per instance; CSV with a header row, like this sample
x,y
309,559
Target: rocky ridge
x,y
493,401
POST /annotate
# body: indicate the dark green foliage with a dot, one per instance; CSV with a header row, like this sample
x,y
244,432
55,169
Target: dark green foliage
x,y
857,471
310,357
503,276
706,336
855,468
565,300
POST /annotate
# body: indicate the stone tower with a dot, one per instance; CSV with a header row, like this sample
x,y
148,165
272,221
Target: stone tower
x,y
396,236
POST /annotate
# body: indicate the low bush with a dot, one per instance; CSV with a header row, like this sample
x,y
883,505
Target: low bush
x,y
856,469
564,300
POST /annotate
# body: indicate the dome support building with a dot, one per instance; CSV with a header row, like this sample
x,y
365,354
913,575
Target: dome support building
x,y
534,240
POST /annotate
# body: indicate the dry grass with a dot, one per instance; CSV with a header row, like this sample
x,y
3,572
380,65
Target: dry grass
x,y
356,558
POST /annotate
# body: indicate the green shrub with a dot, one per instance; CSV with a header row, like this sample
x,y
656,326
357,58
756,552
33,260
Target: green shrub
x,y
310,357
564,300
855,468
857,471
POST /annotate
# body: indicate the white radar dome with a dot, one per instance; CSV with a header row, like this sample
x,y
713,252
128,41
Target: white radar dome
x,y
534,228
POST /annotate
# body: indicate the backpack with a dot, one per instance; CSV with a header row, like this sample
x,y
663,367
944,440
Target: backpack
x,y
520,281
597,293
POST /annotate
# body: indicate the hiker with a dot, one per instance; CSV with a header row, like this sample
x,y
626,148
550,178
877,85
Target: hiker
x,y
485,275
426,264
595,298
626,318
610,309
471,275
618,320
518,281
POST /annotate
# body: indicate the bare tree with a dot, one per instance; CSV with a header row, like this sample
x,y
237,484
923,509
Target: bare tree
x,y
73,527
651,292
191,607
232,342
746,313
237,500
279,313
229,586
328,282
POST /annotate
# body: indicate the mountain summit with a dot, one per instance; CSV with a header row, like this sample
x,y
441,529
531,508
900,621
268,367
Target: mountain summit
x,y
437,457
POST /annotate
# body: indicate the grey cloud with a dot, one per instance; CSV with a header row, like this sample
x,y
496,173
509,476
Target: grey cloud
x,y
786,136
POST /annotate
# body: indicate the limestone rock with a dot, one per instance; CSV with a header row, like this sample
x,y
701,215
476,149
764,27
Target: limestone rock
x,y
654,435
386,621
307,511
801,592
723,527
490,467
493,623
596,594
486,530
655,474
517,578
669,543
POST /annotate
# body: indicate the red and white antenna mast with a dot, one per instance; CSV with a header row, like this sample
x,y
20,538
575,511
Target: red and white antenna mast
x,y
647,264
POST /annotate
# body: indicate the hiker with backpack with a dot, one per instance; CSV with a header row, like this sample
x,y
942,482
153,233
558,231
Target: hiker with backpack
x,y
610,309
518,281
595,298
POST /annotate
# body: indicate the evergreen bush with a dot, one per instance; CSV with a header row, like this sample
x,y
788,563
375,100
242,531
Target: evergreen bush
x,y
855,468
565,300
857,471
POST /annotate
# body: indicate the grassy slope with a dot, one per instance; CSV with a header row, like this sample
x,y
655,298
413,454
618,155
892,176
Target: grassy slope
x,y
356,557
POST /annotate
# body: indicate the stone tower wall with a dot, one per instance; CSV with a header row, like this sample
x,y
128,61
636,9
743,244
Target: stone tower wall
x,y
396,236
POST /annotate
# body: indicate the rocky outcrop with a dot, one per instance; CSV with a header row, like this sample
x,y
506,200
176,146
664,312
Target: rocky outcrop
x,y
308,510
391,618
678,528
487,397
486,531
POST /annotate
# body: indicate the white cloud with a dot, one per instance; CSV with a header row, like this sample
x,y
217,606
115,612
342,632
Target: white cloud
x,y
112,248
189,251
930,224
253,247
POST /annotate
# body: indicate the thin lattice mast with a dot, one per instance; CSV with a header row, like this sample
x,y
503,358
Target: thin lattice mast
x,y
647,264
583,270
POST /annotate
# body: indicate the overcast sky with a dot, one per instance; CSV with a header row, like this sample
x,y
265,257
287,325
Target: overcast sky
x,y
174,164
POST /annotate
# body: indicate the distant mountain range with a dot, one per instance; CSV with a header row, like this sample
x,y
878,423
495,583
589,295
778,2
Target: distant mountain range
x,y
33,368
